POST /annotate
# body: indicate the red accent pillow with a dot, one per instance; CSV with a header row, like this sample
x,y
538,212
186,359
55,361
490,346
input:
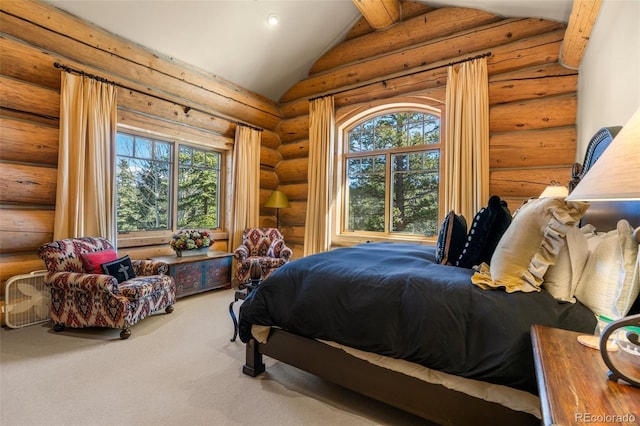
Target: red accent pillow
x,y
92,261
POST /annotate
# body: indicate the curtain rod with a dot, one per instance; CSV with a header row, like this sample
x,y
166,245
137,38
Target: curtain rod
x,y
384,81
185,108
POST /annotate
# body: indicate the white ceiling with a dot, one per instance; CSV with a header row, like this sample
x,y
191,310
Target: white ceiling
x,y
231,39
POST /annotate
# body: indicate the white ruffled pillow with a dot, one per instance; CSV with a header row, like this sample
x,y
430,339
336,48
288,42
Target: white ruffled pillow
x,y
561,279
530,245
610,281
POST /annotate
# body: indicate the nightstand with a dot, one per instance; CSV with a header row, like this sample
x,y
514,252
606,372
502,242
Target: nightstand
x,y
573,384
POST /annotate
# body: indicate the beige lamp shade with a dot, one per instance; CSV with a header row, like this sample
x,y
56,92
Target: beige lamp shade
x,y
616,174
277,200
555,191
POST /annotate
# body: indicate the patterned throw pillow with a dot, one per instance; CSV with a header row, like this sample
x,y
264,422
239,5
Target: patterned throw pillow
x,y
92,262
451,237
121,268
488,226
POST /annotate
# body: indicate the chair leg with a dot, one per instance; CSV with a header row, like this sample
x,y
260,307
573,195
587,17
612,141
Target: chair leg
x,y
235,321
58,327
169,309
125,333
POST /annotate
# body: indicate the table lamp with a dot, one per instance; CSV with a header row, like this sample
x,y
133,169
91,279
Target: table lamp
x,y
615,176
277,200
555,190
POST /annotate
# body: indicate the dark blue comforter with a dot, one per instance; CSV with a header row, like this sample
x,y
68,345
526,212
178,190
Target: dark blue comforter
x,y
394,300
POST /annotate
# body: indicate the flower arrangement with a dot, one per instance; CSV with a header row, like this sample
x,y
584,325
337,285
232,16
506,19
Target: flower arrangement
x,y
190,239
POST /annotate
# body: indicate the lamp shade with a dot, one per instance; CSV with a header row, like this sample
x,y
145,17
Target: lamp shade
x,y
554,191
616,174
277,200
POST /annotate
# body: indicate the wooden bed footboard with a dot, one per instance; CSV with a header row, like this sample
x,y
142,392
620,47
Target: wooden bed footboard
x,y
427,400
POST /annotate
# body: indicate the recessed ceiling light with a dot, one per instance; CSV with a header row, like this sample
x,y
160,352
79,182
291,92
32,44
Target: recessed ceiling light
x,y
273,20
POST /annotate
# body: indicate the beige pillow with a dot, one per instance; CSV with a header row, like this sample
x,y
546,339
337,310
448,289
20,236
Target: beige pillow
x,y
530,244
562,278
610,282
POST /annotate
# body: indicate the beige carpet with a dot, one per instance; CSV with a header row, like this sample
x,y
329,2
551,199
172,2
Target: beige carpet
x,y
177,369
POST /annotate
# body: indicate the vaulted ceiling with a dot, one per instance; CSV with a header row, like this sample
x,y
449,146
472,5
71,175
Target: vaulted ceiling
x,y
231,38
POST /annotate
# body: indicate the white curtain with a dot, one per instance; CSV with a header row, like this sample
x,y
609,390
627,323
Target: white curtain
x,y
85,194
466,165
317,231
246,182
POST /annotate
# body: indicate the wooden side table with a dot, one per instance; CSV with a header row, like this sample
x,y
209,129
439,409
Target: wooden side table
x,y
573,383
195,274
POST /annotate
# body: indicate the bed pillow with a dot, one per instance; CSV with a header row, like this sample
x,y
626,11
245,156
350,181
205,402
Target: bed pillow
x,y
530,244
451,238
610,284
92,261
561,279
121,268
488,226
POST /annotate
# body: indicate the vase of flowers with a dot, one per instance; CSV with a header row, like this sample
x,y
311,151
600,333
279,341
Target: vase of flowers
x,y
191,242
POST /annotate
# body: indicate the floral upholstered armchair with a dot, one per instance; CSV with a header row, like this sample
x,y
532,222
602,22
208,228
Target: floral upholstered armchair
x,y
84,295
263,245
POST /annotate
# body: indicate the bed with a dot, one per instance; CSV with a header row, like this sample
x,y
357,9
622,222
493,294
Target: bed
x,y
389,321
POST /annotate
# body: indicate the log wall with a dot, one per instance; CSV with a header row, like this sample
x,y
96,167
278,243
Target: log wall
x,y
532,97
34,35
532,115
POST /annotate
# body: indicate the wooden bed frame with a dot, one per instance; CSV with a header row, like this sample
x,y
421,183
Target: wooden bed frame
x,y
427,400
430,401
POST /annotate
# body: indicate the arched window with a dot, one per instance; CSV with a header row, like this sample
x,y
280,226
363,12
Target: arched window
x,y
390,166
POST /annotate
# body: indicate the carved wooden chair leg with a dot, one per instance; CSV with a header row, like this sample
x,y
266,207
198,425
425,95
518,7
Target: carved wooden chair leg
x,y
126,332
235,321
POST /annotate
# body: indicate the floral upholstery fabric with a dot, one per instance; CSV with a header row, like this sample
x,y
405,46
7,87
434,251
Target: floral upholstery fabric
x,y
264,245
79,299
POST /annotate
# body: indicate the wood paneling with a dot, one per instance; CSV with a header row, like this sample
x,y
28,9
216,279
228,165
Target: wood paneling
x,y
532,115
439,23
24,229
21,96
53,30
543,113
535,148
34,35
532,96
25,184
297,149
583,17
28,142
293,170
269,157
525,183
465,43
379,13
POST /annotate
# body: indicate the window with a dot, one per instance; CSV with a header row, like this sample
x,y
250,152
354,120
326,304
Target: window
x,y
154,192
391,174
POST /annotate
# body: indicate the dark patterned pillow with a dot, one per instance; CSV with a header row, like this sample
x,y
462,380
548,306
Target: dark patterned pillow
x,y
122,269
488,226
451,238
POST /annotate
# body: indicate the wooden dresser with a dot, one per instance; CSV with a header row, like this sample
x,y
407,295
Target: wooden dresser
x,y
195,274
573,384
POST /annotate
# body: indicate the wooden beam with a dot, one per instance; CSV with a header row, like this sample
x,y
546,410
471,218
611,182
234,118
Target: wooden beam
x,y
581,21
380,14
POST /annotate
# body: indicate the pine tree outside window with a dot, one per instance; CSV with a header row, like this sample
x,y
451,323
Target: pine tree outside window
x,y
154,192
391,175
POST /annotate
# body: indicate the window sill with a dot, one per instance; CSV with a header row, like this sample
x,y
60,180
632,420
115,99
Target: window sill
x,y
346,240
